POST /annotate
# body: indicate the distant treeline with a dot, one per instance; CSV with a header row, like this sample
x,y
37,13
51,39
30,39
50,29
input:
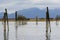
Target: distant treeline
x,y
33,19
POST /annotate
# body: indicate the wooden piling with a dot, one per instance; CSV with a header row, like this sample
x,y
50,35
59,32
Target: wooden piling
x,y
57,20
16,23
48,27
6,37
16,16
48,20
36,20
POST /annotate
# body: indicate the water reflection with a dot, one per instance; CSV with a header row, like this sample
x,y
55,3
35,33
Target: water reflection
x,y
22,22
7,30
16,27
4,31
48,35
48,30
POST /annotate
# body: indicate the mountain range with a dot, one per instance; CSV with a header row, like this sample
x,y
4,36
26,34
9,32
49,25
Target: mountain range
x,y
33,12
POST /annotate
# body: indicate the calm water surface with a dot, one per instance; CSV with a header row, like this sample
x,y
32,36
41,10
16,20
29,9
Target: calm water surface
x,y
31,31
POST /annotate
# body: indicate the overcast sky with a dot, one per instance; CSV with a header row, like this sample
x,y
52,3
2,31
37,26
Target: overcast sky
x,y
15,5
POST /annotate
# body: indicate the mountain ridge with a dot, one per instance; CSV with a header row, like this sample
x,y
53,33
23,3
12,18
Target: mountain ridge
x,y
33,12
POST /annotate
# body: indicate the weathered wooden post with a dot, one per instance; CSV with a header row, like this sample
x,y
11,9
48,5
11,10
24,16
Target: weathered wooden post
x,y
48,28
2,20
16,16
48,20
22,20
57,20
36,20
16,23
7,24
5,18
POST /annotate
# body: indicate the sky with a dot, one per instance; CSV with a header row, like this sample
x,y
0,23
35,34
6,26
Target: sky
x,y
15,5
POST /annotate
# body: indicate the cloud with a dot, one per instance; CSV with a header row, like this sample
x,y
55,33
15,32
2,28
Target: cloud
x,y
13,5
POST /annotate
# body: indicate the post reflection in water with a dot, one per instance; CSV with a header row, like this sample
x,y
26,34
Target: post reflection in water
x,y
48,30
48,34
4,30
16,27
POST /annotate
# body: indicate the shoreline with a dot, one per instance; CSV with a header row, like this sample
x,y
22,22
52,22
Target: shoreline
x,y
29,20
